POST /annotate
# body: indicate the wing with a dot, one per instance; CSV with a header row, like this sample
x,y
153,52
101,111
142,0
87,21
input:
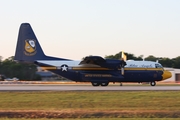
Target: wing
x,y
106,63
94,60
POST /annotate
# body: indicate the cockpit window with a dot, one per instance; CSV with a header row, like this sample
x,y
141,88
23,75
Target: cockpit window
x,y
159,66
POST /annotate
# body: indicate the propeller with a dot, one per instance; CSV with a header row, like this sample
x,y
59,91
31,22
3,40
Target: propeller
x,y
123,58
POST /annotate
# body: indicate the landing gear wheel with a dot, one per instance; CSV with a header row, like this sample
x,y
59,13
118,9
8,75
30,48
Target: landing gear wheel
x,y
153,83
95,83
121,84
104,84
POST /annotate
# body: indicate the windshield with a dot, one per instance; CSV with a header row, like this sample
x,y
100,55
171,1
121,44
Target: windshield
x,y
159,66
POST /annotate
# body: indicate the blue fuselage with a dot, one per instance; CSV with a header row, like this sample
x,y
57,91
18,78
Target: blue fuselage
x,y
85,75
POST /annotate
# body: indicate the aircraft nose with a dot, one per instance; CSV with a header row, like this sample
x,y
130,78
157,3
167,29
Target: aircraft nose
x,y
166,74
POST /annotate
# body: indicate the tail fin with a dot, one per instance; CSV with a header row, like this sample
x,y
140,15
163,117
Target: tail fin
x,y
28,48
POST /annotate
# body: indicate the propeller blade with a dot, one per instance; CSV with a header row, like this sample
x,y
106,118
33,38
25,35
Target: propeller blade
x,y
123,56
122,70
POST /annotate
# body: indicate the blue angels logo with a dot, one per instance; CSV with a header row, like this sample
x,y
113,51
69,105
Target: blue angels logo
x,y
30,47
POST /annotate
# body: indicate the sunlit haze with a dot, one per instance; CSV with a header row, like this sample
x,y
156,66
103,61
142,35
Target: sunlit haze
x,y
77,28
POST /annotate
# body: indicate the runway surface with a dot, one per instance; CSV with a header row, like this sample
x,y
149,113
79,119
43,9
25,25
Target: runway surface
x,y
24,87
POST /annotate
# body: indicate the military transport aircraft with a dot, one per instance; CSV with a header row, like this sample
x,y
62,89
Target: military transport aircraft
x,y
94,69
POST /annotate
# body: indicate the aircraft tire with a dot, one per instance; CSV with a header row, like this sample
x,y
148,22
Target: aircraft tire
x,y
95,83
105,84
153,83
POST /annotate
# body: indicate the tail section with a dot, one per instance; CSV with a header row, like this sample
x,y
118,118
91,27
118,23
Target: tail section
x,y
28,48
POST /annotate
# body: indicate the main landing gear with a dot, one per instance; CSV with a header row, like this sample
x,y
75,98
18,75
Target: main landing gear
x,y
102,84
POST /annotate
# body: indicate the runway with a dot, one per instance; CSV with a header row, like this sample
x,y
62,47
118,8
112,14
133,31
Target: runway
x,y
25,87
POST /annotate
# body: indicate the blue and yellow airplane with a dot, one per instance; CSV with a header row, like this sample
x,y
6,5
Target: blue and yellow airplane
x,y
94,69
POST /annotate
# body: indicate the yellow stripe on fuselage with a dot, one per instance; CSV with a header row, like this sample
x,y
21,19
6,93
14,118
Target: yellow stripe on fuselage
x,y
100,68
158,69
90,68
48,68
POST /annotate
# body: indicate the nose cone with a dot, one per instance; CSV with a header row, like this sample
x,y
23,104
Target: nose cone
x,y
166,74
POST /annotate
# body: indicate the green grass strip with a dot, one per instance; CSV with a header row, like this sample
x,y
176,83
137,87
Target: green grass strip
x,y
85,104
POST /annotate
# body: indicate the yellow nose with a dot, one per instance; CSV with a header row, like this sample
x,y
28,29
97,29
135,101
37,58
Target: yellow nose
x,y
166,74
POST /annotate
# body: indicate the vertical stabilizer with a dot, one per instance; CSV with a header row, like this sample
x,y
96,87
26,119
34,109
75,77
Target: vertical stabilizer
x,y
28,48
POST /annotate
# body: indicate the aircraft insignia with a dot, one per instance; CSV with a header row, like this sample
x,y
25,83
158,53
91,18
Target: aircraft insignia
x,y
30,47
64,67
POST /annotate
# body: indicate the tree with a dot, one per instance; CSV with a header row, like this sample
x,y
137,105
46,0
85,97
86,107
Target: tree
x,y
151,58
176,62
23,71
116,56
166,62
1,59
129,56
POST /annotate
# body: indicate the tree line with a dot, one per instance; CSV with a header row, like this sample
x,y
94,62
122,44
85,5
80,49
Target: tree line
x,y
165,61
9,68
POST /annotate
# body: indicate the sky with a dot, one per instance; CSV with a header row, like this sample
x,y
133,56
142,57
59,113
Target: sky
x,y
74,29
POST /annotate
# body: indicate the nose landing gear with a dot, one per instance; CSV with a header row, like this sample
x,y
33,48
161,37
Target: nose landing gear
x,y
153,83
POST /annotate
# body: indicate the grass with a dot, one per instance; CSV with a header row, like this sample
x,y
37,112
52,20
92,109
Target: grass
x,y
91,100
96,103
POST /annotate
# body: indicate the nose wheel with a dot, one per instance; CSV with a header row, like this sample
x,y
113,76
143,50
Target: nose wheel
x,y
153,83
